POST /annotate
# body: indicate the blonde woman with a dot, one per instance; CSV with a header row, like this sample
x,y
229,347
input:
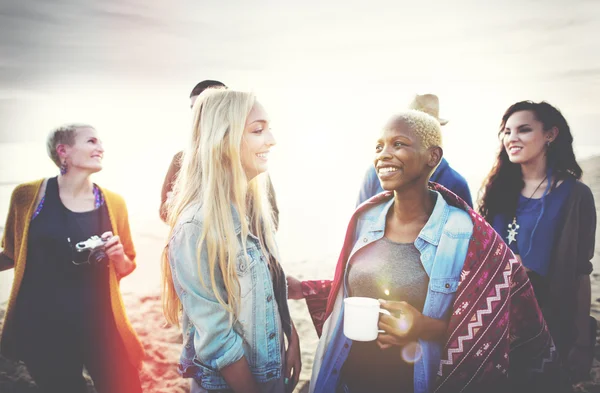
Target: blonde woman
x,y
69,243
221,264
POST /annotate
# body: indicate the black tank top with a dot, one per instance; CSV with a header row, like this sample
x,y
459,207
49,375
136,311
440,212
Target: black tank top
x,y
55,294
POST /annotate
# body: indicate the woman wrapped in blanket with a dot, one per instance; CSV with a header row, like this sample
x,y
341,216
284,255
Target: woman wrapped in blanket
x,y
221,265
534,200
463,315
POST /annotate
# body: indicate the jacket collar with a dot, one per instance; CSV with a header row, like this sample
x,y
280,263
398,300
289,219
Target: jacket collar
x,y
432,231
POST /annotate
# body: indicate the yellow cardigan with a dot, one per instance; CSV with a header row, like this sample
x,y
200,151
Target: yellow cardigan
x,y
14,244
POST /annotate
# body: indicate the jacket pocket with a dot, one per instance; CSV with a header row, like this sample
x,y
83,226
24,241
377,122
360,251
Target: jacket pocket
x,y
444,285
443,293
207,377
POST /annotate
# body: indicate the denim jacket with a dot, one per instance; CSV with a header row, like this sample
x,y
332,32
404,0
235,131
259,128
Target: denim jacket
x,y
443,244
210,341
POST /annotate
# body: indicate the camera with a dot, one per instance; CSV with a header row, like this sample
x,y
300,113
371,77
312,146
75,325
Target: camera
x,y
95,245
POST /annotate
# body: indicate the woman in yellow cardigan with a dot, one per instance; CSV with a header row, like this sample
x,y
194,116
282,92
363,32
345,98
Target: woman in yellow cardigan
x,y
69,243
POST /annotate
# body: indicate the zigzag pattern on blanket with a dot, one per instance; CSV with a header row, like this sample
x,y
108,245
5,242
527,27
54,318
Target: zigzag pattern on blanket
x,y
476,321
478,343
546,360
496,328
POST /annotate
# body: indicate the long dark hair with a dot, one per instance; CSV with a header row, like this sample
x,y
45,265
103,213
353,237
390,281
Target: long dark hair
x,y
500,193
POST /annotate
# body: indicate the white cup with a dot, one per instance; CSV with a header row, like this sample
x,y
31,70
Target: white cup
x,y
361,318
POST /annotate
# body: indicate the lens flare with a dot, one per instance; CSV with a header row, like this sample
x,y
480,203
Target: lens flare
x,y
387,292
404,323
412,352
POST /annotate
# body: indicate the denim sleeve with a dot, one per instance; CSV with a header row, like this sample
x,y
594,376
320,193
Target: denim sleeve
x,y
369,187
216,343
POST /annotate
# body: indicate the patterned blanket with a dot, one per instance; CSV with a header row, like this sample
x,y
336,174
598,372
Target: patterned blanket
x,y
497,339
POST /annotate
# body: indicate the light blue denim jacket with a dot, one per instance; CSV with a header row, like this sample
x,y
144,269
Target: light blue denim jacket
x,y
210,341
443,244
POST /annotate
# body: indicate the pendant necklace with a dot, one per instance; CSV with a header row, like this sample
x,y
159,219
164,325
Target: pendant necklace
x,y
512,228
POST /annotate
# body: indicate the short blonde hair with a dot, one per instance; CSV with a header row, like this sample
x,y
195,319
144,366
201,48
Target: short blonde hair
x,y
425,126
63,135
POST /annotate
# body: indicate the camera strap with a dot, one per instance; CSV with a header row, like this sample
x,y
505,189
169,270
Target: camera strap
x,y
73,224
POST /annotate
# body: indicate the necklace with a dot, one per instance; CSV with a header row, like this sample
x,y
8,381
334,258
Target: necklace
x,y
512,227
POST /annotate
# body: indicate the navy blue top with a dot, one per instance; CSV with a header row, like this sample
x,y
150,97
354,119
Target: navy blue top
x,y
539,223
443,174
58,298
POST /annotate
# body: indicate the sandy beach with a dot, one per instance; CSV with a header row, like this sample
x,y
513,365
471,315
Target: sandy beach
x,y
329,75
163,343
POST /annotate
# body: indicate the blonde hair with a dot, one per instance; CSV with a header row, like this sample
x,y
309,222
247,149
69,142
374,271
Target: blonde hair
x,y
424,125
212,174
63,135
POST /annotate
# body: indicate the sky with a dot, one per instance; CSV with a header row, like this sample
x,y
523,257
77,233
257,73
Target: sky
x,y
329,74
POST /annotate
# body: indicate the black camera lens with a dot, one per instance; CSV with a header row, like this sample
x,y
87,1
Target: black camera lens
x,y
98,257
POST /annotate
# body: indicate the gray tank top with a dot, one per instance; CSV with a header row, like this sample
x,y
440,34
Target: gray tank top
x,y
388,266
380,266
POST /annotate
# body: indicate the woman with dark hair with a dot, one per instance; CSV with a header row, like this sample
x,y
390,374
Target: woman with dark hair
x,y
69,243
533,199
463,316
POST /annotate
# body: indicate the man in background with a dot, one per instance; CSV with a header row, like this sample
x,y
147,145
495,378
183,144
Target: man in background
x,y
444,174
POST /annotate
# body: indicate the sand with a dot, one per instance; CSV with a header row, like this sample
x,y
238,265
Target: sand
x,y
163,343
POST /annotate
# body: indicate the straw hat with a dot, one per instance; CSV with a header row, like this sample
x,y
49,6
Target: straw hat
x,y
428,103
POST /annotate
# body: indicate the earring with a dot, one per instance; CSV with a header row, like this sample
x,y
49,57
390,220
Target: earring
x,y
64,168
548,143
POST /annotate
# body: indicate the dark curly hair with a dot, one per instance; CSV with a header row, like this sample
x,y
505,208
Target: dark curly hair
x,y
501,189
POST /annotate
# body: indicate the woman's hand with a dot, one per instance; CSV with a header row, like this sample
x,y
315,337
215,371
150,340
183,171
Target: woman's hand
x,y
408,326
116,253
294,288
113,247
293,361
579,362
401,327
